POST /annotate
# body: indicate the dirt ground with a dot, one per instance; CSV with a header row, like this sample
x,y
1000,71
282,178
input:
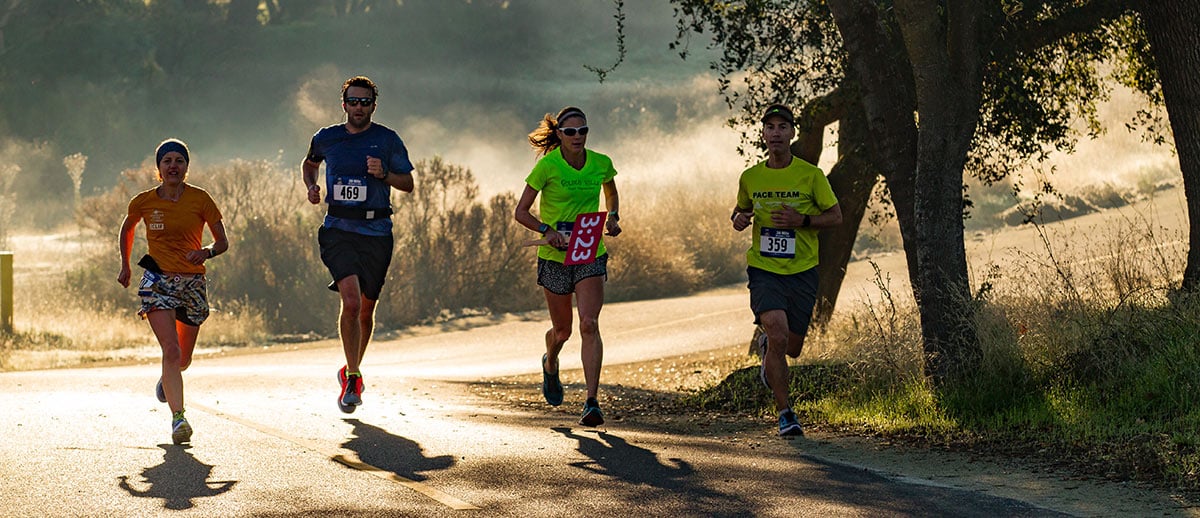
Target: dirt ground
x,y
646,395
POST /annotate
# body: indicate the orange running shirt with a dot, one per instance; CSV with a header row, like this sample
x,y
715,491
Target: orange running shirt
x,y
175,228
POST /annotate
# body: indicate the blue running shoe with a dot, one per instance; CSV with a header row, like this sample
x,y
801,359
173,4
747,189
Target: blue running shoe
x,y
788,426
158,392
181,431
552,388
591,413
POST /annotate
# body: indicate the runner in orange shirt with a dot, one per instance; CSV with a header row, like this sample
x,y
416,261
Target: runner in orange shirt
x,y
173,292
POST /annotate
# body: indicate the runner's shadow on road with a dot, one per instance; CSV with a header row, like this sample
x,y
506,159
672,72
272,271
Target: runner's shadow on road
x,y
613,456
178,480
399,455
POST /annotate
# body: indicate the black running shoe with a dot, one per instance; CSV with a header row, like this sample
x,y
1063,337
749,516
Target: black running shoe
x,y
158,392
591,414
552,388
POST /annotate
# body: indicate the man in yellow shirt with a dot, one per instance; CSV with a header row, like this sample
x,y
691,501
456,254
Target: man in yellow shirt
x,y
786,201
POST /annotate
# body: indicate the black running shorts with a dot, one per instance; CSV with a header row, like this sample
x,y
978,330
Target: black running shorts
x,y
795,294
347,253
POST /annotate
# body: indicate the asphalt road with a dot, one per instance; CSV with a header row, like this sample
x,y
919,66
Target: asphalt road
x,y
270,441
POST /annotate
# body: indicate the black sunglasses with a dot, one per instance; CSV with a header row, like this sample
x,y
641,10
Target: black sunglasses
x,y
356,101
570,132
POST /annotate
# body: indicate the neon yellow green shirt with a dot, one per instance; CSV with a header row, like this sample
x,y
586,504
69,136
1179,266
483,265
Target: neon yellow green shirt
x,y
801,186
567,192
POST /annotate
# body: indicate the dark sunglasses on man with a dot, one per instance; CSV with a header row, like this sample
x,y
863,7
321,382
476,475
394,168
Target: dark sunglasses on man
x,y
358,101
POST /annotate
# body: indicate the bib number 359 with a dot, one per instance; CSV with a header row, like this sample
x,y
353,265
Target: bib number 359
x,y
585,238
777,242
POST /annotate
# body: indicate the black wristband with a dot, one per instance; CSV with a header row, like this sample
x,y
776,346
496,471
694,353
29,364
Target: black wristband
x,y
212,253
807,221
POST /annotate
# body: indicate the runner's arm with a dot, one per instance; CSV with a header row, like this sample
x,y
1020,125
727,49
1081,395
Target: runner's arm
x,y
309,170
125,239
613,201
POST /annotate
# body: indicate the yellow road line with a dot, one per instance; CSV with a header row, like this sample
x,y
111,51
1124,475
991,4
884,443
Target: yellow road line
x,y
340,457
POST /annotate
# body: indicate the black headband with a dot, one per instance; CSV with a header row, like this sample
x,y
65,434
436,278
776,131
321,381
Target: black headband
x,y
170,145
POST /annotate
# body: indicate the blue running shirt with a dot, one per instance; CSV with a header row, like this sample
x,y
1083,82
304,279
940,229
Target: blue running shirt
x,y
346,180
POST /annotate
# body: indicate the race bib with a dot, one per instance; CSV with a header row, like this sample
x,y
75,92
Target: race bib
x,y
349,189
584,238
146,288
777,242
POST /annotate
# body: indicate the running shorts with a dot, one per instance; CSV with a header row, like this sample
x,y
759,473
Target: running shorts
x,y
795,294
347,253
561,279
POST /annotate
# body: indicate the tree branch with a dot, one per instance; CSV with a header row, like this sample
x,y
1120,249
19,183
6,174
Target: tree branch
x,y
1077,20
601,73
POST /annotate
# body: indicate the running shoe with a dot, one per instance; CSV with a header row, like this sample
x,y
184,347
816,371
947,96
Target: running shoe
x,y
591,413
158,392
341,377
552,388
351,393
760,341
181,431
788,426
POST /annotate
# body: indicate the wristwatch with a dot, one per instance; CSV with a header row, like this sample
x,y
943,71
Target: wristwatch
x,y
543,228
614,216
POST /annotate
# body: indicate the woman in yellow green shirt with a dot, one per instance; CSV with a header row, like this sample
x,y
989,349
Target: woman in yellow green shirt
x,y
569,177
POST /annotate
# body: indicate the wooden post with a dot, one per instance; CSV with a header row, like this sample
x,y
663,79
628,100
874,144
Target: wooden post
x,y
6,292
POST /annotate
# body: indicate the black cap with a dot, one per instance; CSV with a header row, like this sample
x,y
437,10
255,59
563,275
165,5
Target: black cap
x,y
779,110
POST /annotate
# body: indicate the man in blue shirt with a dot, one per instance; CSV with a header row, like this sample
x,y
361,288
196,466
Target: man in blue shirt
x,y
364,161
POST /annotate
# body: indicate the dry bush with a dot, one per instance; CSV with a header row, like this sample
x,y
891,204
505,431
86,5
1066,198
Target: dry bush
x,y
881,338
102,213
454,254
8,200
676,238
651,268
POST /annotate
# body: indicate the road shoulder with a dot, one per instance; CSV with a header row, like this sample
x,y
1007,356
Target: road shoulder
x,y
644,395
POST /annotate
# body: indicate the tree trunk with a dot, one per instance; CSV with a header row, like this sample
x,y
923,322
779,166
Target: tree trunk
x,y
1173,27
852,178
947,74
880,68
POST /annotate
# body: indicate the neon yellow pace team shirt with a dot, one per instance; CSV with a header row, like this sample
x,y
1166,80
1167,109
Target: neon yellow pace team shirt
x,y
801,186
567,192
